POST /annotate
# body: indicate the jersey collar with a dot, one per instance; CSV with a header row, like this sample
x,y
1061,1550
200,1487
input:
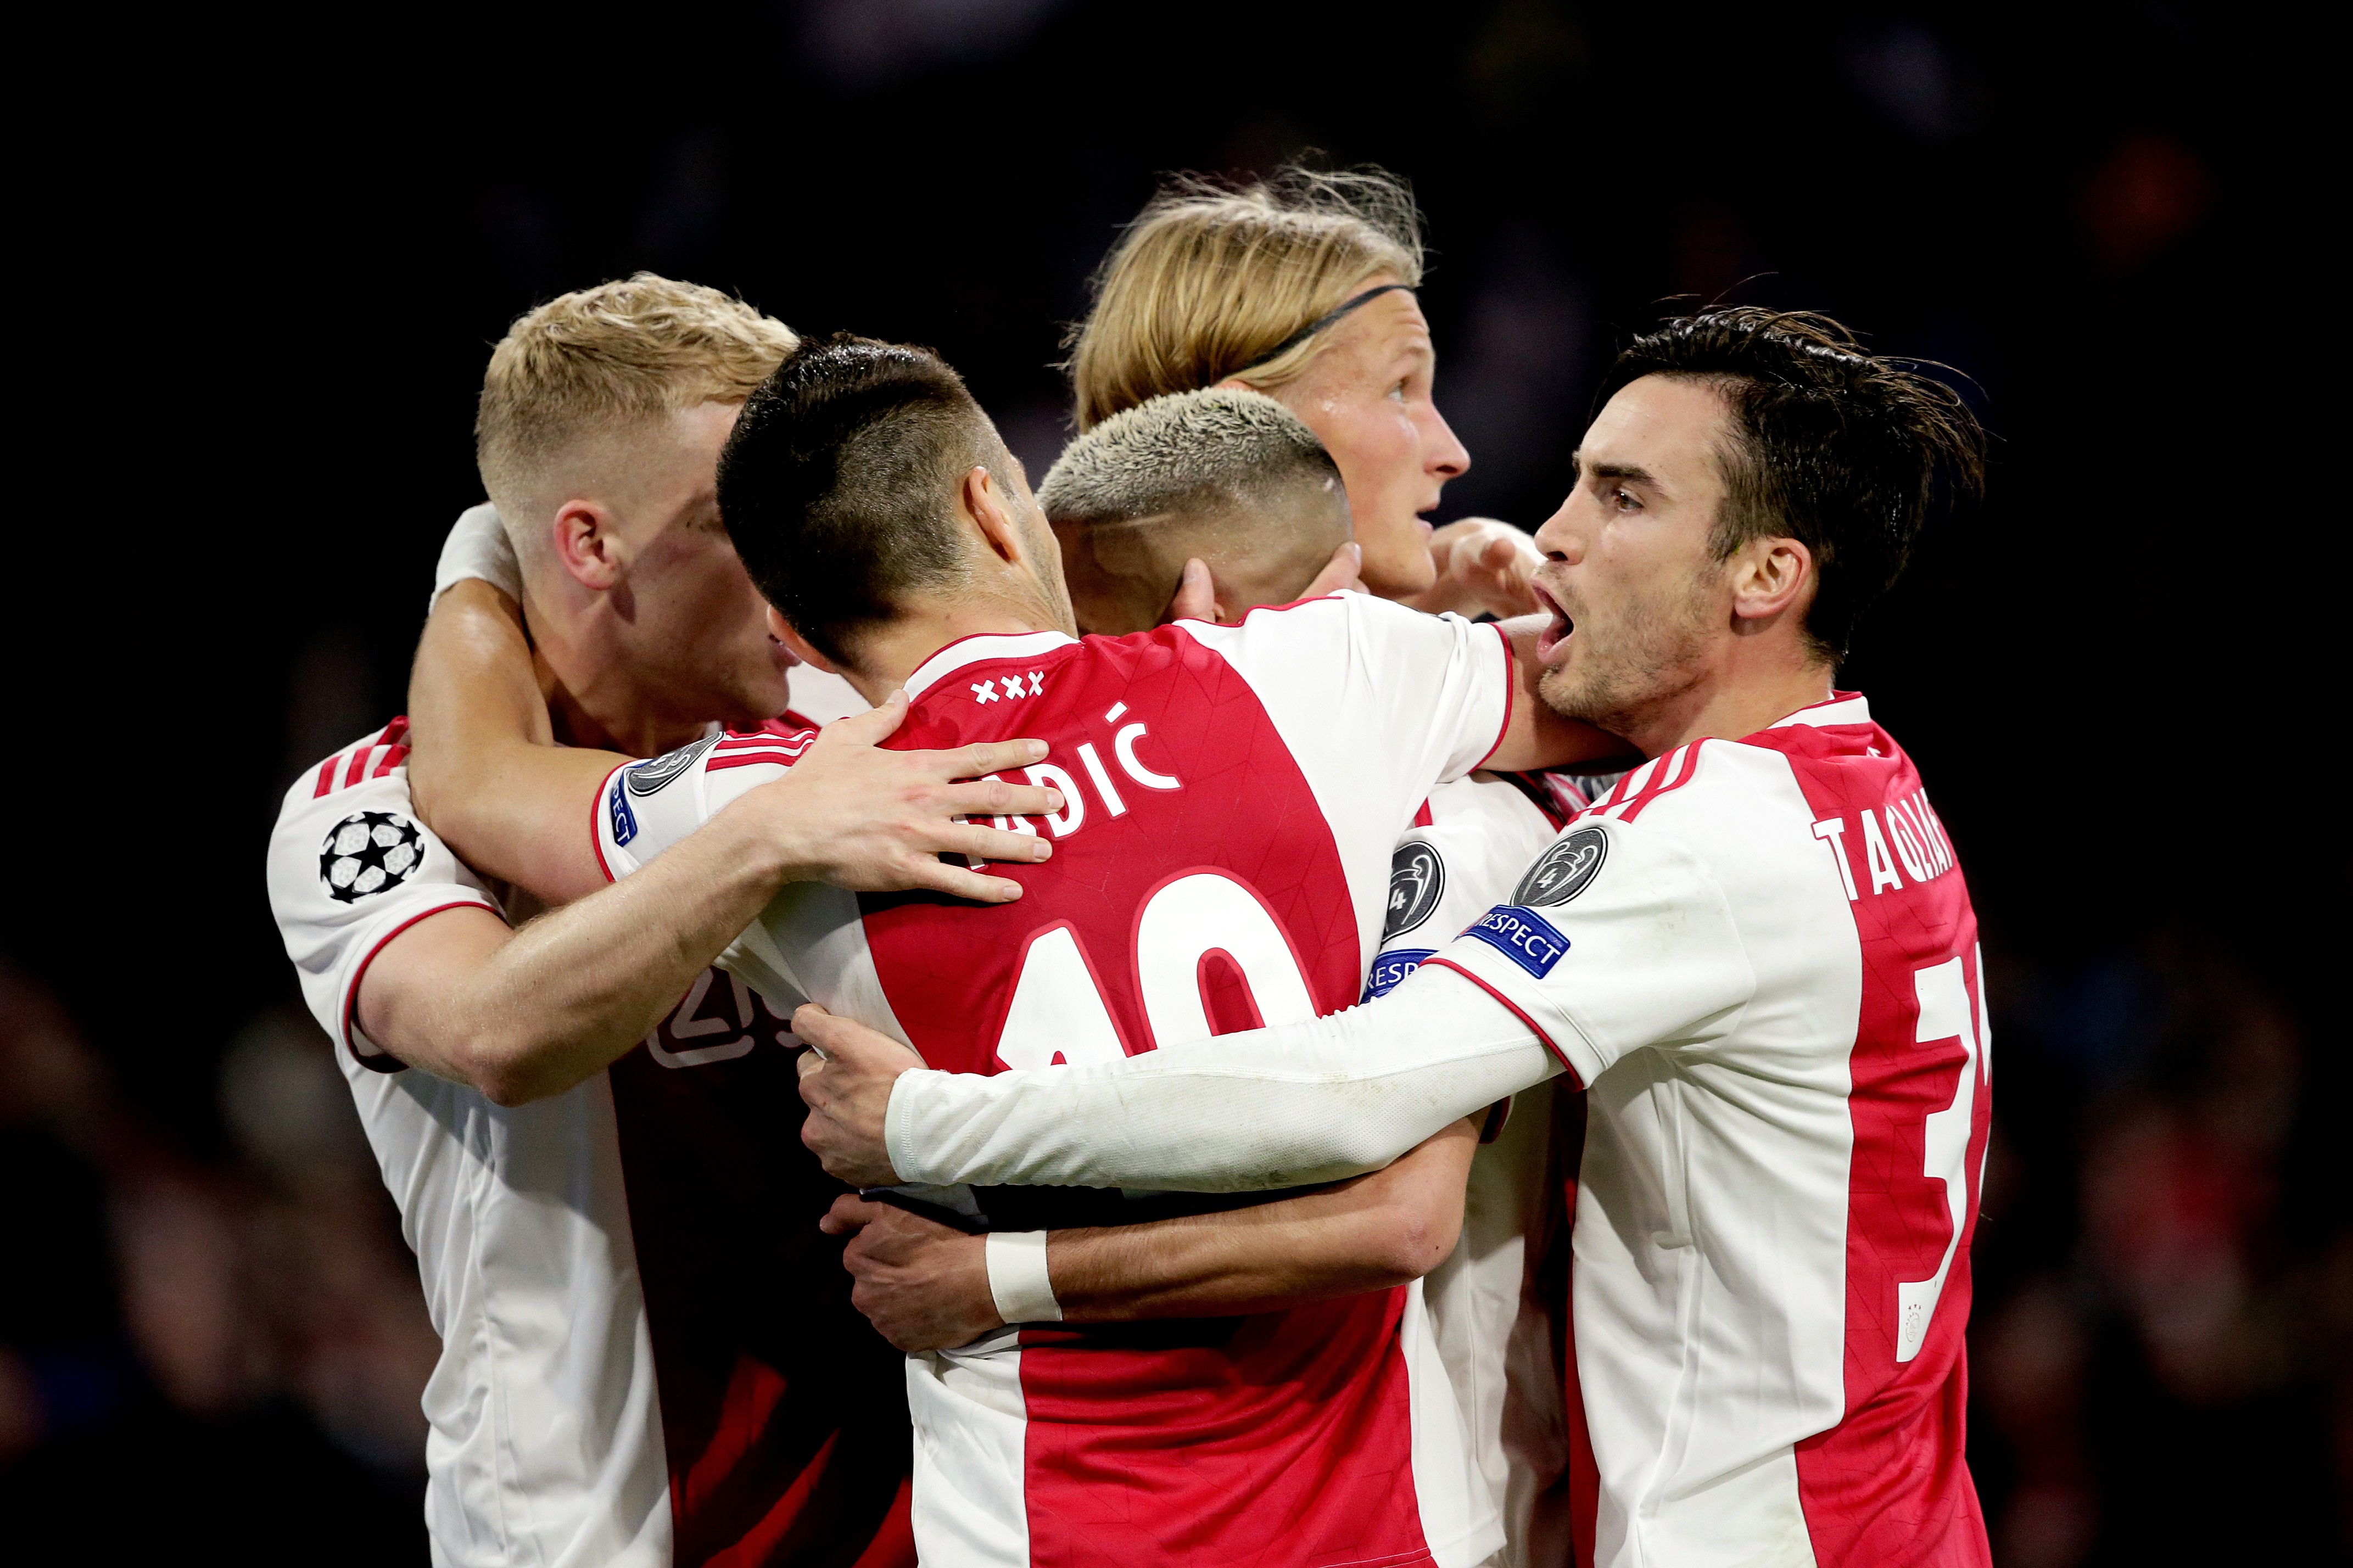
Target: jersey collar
x,y
979,648
1838,708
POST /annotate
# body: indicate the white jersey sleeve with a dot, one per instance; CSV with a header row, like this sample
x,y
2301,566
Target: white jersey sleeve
x,y
1372,697
350,868
1617,938
644,808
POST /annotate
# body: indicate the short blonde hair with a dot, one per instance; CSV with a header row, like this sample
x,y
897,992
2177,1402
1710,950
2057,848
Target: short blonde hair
x,y
593,362
1210,278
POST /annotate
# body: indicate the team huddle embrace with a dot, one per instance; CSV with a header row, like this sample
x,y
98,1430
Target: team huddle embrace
x,y
1171,1014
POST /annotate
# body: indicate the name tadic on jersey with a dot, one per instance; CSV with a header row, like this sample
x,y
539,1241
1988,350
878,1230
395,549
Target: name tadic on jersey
x,y
1231,800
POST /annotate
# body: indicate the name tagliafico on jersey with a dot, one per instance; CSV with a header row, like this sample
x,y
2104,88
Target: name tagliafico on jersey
x,y
1522,935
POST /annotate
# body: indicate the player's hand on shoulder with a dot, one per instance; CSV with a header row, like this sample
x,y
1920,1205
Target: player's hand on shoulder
x,y
875,821
1196,589
846,1079
1483,565
922,1284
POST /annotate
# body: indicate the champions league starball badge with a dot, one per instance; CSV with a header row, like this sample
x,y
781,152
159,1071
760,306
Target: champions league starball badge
x,y
1563,870
1417,881
368,852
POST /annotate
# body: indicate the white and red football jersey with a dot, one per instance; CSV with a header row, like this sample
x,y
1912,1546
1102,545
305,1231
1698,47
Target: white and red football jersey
x,y
1760,960
649,1353
1233,795
1498,1305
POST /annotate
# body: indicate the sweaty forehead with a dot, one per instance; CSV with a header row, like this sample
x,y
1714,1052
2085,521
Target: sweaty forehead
x,y
1383,328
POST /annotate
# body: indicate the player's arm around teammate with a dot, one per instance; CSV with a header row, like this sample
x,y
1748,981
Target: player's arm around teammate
x,y
927,1286
523,1014
509,802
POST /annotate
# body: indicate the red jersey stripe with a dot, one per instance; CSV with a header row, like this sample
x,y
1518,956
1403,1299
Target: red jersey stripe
x,y
326,775
358,770
745,758
392,757
1686,766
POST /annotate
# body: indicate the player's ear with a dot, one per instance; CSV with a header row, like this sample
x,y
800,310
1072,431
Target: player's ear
x,y
990,509
588,542
797,645
1770,579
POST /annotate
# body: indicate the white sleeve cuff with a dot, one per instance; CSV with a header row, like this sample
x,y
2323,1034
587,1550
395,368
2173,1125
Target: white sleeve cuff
x,y
478,547
1017,1278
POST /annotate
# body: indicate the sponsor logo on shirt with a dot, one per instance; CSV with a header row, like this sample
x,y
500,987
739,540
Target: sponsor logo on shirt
x,y
645,778
1564,870
367,853
1522,935
624,821
1392,967
1417,881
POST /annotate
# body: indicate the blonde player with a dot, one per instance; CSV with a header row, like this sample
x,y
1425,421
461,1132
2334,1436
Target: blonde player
x,y
576,1117
1302,287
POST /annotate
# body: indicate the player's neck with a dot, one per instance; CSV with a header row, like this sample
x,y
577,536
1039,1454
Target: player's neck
x,y
1751,695
888,654
592,699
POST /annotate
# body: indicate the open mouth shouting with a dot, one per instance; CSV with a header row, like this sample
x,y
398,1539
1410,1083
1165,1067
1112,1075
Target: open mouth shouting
x,y
1558,629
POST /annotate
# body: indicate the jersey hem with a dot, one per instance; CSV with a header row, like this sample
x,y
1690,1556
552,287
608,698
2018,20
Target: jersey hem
x,y
1537,1029
383,1061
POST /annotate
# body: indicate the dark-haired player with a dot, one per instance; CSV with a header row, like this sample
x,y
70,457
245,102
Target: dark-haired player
x,y
1756,954
1233,797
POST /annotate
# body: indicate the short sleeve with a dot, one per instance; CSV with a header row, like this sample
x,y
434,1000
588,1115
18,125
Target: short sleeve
x,y
1617,938
644,808
1372,688
351,868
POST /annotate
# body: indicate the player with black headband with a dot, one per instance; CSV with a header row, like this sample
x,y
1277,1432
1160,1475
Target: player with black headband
x,y
1303,287
1756,954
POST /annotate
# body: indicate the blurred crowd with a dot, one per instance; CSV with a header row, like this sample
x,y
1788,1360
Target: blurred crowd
x,y
203,1345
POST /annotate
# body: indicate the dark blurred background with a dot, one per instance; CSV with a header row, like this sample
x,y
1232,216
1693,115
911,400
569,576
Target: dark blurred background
x,y
264,264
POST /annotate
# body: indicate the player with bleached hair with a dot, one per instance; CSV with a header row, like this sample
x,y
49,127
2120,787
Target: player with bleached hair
x,y
648,1355
1757,955
1232,487
1234,798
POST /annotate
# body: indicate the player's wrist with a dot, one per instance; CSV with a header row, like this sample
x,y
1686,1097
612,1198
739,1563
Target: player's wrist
x,y
1019,1281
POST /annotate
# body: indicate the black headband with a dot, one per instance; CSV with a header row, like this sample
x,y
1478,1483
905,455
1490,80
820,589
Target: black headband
x,y
1319,323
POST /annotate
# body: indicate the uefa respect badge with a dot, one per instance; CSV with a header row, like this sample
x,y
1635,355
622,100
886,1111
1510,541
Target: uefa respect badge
x,y
1522,935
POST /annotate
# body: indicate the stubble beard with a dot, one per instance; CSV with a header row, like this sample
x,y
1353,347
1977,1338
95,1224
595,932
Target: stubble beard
x,y
1637,665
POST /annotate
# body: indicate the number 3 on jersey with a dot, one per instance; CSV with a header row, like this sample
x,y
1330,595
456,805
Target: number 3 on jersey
x,y
1946,1013
1060,1014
